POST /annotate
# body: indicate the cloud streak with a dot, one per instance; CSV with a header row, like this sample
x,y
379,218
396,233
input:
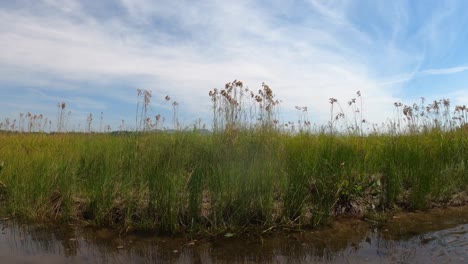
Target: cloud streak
x,y
452,70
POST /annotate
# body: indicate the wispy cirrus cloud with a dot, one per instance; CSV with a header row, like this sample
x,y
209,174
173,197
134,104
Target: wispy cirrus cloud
x,y
444,71
421,73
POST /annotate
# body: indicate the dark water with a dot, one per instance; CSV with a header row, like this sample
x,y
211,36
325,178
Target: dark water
x,y
438,236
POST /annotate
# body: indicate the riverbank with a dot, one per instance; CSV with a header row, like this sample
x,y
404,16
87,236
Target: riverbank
x,y
438,236
227,182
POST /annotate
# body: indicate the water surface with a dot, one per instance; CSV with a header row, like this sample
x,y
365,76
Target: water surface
x,y
437,236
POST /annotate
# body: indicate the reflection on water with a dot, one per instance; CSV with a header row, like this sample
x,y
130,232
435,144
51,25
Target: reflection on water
x,y
439,236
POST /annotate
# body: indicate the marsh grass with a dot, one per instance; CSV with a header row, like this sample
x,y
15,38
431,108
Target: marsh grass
x,y
249,173
192,181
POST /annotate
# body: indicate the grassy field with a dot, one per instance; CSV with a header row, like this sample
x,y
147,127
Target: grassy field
x,y
189,181
249,172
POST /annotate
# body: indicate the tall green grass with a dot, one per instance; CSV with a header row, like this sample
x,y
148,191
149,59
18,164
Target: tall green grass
x,y
189,181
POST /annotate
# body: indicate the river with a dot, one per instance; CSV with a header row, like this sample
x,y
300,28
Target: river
x,y
435,236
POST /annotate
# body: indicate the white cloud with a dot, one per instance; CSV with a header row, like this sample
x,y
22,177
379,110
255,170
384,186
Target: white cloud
x,y
183,49
66,6
444,71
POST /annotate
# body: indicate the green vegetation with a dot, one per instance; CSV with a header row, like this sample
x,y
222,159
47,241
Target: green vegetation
x,y
245,175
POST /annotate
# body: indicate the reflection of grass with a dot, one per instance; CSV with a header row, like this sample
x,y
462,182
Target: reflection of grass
x,y
165,181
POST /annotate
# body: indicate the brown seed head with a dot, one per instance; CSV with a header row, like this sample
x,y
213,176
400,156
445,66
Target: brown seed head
x,y
446,102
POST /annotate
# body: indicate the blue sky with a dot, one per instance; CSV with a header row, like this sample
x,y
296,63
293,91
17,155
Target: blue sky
x,y
95,54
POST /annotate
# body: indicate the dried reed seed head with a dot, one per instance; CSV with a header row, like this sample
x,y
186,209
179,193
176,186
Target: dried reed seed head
x,y
167,98
446,102
63,105
358,93
333,100
147,97
265,86
460,108
408,111
300,108
238,83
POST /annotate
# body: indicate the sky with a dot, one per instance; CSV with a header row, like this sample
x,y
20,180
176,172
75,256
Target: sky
x,y
94,55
